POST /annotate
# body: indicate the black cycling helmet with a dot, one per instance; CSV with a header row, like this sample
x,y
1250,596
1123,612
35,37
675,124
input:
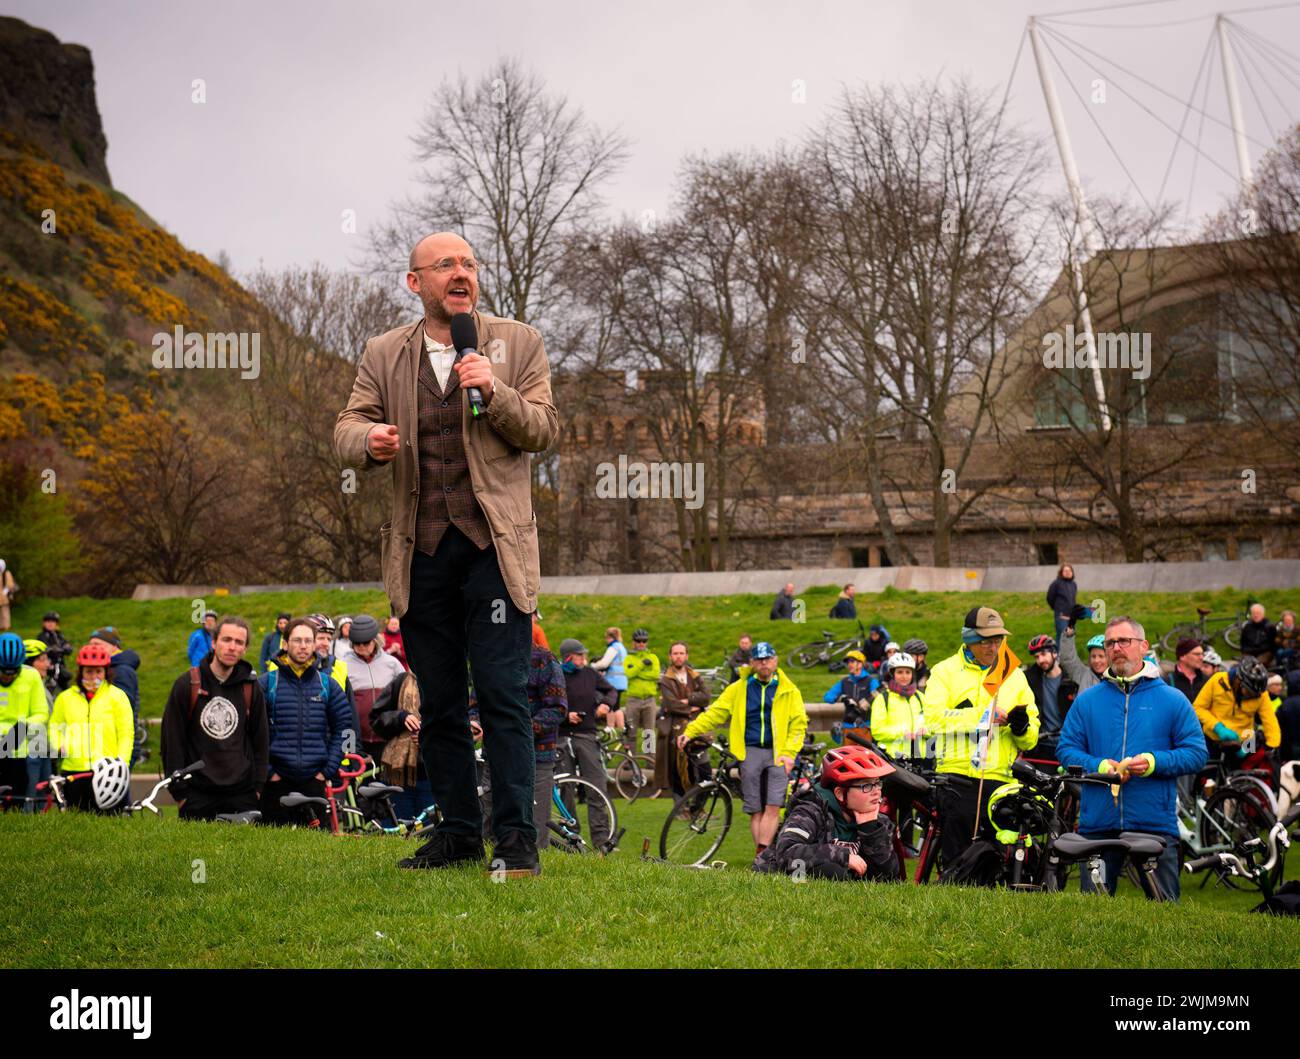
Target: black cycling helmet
x,y
51,615
1252,675
641,634
1042,642
915,647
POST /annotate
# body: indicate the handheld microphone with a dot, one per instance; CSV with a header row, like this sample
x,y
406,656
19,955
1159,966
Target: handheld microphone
x,y
464,336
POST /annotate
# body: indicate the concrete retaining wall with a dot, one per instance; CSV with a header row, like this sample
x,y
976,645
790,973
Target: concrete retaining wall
x,y
1091,577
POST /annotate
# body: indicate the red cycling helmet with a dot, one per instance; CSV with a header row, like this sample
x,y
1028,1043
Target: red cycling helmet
x,y
94,654
1041,643
845,765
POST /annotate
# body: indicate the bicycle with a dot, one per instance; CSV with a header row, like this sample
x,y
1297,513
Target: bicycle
x,y
715,678
1207,628
147,803
568,791
1241,861
827,649
631,773
1226,807
50,792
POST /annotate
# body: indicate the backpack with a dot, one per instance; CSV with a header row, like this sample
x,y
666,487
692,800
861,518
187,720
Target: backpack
x,y
1285,902
979,865
272,678
196,688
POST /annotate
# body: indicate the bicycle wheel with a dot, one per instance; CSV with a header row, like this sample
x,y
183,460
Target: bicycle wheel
x,y
633,776
1235,815
1169,641
1232,635
807,655
574,793
696,825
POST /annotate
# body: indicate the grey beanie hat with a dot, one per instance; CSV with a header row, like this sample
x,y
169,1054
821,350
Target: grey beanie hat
x,y
363,629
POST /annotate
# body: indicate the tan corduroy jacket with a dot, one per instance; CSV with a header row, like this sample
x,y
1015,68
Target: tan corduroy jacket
x,y
519,419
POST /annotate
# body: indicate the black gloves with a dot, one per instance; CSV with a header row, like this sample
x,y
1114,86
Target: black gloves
x,y
1018,720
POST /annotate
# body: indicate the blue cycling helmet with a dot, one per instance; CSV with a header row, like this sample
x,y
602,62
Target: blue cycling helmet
x,y
13,652
762,649
1097,641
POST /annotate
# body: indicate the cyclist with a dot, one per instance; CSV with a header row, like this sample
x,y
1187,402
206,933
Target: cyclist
x,y
767,722
370,670
1259,636
308,716
643,672
325,661
835,830
273,641
59,648
39,763
1229,706
1054,694
124,664
200,643
1136,725
682,696
897,712
740,656
978,734
1211,663
90,721
590,699
918,649
611,666
24,710
1189,674
855,691
217,715
874,647
1085,676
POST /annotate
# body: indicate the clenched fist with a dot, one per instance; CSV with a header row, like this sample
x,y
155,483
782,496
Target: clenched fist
x,y
383,442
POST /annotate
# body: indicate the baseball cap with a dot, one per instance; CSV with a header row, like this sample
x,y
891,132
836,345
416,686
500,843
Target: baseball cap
x,y
985,623
762,649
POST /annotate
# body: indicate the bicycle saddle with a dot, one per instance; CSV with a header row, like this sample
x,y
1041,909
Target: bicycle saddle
x,y
1076,847
1202,611
378,790
1132,837
292,801
249,816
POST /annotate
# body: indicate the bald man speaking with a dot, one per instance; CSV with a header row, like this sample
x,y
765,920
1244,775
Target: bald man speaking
x,y
460,556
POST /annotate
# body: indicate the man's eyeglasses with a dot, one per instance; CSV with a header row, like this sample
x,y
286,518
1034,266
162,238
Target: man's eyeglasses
x,y
449,263
1121,641
867,787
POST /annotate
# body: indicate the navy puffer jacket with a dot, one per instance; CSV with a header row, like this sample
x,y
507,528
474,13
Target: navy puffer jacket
x,y
307,724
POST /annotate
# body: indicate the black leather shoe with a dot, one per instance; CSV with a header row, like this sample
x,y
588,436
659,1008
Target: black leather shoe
x,y
515,855
445,851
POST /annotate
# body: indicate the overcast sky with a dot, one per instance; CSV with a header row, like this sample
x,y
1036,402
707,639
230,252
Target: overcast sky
x,y
310,105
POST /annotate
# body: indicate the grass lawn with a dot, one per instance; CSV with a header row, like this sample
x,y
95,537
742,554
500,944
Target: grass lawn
x,y
85,891
159,629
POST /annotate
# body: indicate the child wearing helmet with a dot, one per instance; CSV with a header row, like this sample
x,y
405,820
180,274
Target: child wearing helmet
x,y
23,710
91,720
834,830
897,712
854,690
1230,705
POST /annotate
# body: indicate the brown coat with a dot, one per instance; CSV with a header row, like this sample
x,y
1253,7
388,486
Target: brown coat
x,y
671,722
520,419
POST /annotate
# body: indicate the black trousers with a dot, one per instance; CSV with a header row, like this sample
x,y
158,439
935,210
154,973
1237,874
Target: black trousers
x,y
957,803
13,773
205,805
460,615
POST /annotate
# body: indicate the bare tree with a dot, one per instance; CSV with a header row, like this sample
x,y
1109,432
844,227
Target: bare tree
x,y
515,170
925,265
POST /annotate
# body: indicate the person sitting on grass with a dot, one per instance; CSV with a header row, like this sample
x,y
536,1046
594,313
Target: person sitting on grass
x,y
835,830
767,723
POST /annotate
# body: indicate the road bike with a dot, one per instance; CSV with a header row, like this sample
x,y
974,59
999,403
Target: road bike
x,y
1207,628
699,820
1257,862
631,773
827,650
567,793
1227,807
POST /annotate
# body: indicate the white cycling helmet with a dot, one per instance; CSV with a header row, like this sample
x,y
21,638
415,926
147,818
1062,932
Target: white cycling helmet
x,y
1211,657
111,781
892,644
900,660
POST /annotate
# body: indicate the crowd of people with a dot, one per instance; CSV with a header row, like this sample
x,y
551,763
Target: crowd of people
x,y
325,687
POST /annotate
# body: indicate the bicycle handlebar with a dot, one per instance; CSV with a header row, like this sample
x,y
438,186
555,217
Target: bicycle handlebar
x,y
1201,863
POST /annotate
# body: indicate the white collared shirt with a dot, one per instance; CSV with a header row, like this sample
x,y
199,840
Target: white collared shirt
x,y
441,359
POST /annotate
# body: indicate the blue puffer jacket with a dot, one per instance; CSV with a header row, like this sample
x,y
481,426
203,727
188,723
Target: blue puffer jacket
x,y
307,727
1118,719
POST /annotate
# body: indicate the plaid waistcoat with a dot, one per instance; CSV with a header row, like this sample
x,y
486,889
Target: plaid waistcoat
x,y
446,493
